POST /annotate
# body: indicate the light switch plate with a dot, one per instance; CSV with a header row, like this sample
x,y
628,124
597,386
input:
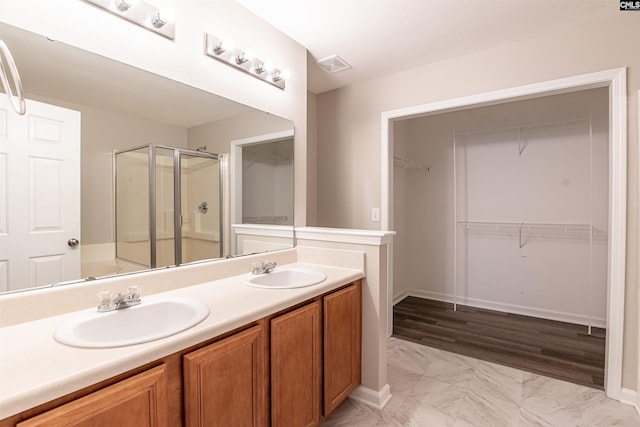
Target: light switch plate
x,y
375,214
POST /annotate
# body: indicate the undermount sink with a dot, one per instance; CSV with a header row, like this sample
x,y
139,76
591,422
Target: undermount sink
x,y
153,319
284,278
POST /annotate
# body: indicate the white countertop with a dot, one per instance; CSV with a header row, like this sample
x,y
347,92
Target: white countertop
x,y
34,368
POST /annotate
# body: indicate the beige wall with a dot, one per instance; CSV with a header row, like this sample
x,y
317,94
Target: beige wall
x,y
349,123
218,135
312,155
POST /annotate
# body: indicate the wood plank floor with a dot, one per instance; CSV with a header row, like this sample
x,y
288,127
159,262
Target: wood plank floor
x,y
546,347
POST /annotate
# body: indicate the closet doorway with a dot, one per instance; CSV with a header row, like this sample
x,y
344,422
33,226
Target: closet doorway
x,y
509,202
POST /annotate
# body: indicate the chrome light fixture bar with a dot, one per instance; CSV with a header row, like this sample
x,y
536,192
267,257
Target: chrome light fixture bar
x,y
158,20
244,60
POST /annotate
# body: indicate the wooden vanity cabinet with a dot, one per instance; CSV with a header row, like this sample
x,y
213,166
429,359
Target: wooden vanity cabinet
x,y
139,401
342,318
289,369
296,367
316,357
226,383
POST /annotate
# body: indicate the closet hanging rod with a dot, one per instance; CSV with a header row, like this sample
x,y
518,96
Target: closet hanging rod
x,y
6,61
405,164
263,219
525,226
265,156
541,125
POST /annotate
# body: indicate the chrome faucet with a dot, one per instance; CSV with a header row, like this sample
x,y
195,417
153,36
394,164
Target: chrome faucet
x,y
263,267
110,300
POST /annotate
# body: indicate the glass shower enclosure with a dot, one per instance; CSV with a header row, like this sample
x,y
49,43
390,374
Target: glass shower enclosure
x,y
168,205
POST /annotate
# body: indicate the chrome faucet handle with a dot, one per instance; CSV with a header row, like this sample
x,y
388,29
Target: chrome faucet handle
x,y
105,299
111,300
256,267
133,292
263,267
269,266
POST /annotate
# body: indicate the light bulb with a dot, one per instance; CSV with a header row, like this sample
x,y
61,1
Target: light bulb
x,y
227,44
223,46
247,55
268,66
164,16
265,66
281,75
285,74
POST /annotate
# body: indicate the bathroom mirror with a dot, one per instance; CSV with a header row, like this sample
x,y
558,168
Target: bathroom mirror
x,y
122,108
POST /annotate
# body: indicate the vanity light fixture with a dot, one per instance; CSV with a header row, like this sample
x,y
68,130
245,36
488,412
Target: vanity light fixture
x,y
124,5
224,46
281,75
245,56
224,50
266,66
163,17
160,21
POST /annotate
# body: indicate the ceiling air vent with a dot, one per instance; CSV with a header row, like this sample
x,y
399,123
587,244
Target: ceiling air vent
x,y
333,64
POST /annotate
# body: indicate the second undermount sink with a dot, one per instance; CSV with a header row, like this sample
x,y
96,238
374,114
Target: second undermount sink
x,y
285,277
154,318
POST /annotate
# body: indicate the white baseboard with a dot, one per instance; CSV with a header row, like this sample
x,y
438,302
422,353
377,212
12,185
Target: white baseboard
x,y
370,397
400,297
578,319
630,397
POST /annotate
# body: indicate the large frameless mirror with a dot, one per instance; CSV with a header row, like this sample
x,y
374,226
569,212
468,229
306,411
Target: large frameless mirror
x,y
115,170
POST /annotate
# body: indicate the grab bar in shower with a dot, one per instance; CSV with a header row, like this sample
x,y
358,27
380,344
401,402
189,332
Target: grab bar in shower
x,y
18,106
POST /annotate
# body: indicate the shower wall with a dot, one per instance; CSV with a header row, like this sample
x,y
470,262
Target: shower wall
x,y
200,227
543,178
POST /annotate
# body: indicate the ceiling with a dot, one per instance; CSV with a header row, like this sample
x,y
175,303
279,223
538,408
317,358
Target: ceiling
x,y
379,37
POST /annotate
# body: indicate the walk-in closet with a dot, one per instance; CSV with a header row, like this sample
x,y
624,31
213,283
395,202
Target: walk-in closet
x,y
501,213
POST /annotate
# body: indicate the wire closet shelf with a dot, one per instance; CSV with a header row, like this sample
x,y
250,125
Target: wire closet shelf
x,y
586,230
526,226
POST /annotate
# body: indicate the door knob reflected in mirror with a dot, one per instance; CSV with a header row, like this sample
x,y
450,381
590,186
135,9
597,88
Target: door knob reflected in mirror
x,y
203,207
73,243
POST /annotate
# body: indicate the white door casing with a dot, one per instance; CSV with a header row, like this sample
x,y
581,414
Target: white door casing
x,y
235,174
616,81
39,195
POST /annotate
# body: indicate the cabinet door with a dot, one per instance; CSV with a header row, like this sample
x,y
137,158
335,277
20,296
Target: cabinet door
x,y
225,383
296,367
342,345
135,402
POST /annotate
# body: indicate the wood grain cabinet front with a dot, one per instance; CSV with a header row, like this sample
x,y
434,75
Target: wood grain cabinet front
x,y
316,357
296,367
139,401
226,382
342,318
290,369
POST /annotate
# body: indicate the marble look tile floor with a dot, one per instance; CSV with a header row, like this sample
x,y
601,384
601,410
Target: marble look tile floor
x,y
435,388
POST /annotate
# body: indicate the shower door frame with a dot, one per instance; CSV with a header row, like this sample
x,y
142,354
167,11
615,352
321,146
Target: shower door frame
x,y
177,198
